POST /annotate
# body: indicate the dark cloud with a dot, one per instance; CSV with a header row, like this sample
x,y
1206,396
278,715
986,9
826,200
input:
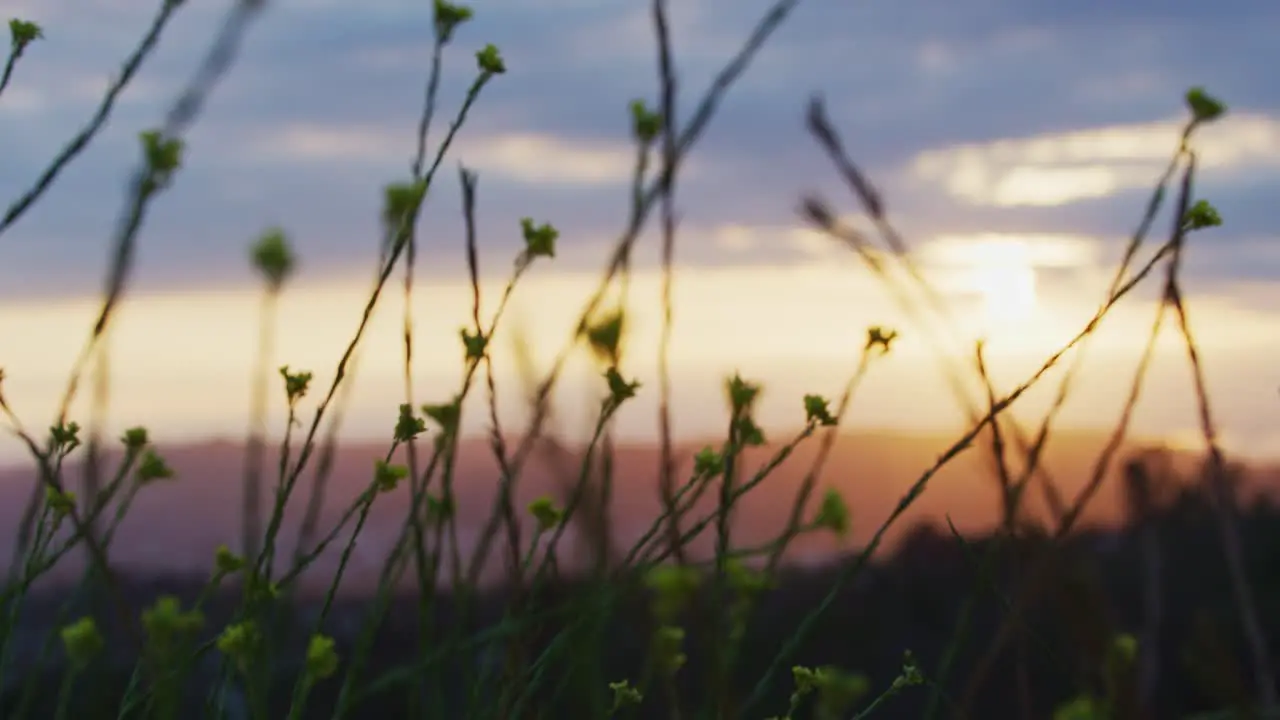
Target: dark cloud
x,y
899,78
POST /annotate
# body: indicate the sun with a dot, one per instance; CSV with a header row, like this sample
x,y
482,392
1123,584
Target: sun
x,y
1007,287
1001,273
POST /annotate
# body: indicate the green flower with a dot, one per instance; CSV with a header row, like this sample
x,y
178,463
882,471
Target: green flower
x,y
448,18
816,410
64,437
439,509
708,463
400,203
259,589
672,587
61,502
273,257
910,675
1121,656
1204,107
748,432
742,394
474,344
446,415
226,561
1200,216
744,579
1082,707
408,425
387,476
166,623
620,390
667,653
296,384
490,61
135,438
22,33
839,691
82,641
624,694
645,123
833,514
322,657
1124,648
880,338
239,642
546,513
806,679
152,467
604,336
163,157
539,240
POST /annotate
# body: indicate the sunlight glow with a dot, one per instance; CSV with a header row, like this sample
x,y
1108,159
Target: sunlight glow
x,y
798,329
1005,278
1000,271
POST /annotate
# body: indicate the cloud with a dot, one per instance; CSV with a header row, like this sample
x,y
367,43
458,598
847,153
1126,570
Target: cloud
x,y
750,240
542,159
318,143
341,85
520,157
1061,168
1037,251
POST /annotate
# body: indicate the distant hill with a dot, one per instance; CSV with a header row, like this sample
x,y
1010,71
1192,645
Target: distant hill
x,y
177,525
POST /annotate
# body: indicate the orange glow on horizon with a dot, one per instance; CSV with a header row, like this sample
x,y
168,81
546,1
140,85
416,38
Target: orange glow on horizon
x,y
181,361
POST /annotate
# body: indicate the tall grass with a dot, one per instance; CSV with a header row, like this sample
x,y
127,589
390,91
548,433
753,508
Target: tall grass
x,y
546,650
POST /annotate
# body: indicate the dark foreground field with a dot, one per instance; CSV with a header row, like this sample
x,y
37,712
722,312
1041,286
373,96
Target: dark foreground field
x,y
1160,578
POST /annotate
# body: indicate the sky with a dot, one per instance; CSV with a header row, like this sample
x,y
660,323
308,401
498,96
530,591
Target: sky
x,y
1015,144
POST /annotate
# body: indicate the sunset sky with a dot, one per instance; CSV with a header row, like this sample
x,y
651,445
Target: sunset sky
x,y
1015,143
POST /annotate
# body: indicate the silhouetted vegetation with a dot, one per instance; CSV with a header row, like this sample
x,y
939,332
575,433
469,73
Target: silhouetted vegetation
x,y
1098,584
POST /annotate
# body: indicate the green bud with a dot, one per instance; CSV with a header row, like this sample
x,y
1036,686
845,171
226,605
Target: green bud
x,y
322,657
61,502
226,561
620,390
546,513
624,694
408,425
152,467
539,240
742,394
879,337
645,124
446,415
273,258
490,61
816,410
708,463
135,438
668,653
22,33
448,18
833,513
239,642
1200,216
387,476
1204,107
295,384
82,641
474,344
163,157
